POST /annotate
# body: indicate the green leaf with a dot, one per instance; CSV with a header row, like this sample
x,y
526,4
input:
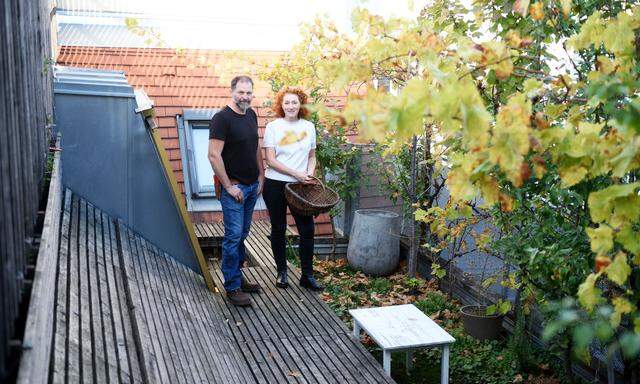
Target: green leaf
x,y
583,334
420,215
630,345
505,306
438,271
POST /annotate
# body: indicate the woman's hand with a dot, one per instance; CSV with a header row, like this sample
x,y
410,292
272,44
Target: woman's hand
x,y
303,177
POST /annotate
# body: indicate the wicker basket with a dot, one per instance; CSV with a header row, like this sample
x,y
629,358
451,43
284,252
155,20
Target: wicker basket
x,y
310,199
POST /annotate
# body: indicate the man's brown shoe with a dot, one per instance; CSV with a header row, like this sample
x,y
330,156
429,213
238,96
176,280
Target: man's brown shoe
x,y
239,298
249,287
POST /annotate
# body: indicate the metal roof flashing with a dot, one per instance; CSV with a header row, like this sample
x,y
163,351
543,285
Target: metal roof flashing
x,y
88,82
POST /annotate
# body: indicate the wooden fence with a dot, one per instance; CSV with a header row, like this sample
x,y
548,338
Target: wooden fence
x,y
25,117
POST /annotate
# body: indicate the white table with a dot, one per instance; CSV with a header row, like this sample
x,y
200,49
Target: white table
x,y
402,327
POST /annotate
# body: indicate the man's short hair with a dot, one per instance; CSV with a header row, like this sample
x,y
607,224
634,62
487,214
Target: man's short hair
x,y
240,79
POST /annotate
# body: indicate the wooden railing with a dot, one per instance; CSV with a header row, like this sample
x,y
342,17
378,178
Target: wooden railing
x,y
36,344
25,119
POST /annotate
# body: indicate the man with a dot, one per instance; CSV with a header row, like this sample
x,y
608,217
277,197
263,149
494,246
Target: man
x,y
236,159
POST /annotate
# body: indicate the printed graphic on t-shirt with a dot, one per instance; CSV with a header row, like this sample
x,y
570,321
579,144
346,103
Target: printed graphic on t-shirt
x,y
291,137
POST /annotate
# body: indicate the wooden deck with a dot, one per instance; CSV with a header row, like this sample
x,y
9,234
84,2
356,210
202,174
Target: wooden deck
x,y
125,311
291,334
93,329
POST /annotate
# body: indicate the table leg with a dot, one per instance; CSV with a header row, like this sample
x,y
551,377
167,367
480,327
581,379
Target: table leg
x,y
356,330
409,364
386,361
444,365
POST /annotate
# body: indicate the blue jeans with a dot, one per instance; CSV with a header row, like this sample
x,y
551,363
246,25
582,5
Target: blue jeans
x,y
237,222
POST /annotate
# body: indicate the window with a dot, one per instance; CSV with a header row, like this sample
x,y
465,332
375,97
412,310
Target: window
x,y
193,133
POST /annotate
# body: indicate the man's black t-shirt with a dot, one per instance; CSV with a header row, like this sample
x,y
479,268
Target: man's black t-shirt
x,y
240,136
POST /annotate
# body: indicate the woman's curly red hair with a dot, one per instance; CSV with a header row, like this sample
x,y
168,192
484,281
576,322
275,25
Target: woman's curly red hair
x,y
302,96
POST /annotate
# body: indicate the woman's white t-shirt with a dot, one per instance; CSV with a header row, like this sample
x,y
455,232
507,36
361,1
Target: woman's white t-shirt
x,y
292,141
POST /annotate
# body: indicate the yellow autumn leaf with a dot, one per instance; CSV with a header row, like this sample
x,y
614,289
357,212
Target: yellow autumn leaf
x,y
602,202
566,7
572,175
619,270
591,33
496,55
510,141
588,295
618,36
621,306
536,11
601,238
459,184
584,143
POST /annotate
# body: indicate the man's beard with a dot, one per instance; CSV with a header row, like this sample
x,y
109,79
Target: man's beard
x,y
243,105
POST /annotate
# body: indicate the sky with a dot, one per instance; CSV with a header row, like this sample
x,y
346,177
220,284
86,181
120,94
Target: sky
x,y
217,24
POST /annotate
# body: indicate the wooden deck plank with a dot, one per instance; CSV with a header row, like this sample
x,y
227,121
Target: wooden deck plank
x,y
194,317
261,367
129,346
105,308
153,365
276,311
250,318
228,361
265,360
155,322
310,359
299,359
287,371
86,329
358,353
73,359
62,298
261,250
166,308
288,300
99,359
339,367
115,332
350,369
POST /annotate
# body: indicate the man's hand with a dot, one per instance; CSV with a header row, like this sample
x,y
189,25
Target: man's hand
x,y
260,185
235,192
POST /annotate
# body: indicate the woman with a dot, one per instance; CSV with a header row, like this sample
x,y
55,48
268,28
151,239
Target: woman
x,y
290,143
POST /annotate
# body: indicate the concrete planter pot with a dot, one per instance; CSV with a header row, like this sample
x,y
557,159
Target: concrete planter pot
x,y
480,325
374,244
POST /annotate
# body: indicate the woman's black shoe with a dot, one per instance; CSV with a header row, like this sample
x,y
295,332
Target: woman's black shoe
x,y
281,280
311,283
